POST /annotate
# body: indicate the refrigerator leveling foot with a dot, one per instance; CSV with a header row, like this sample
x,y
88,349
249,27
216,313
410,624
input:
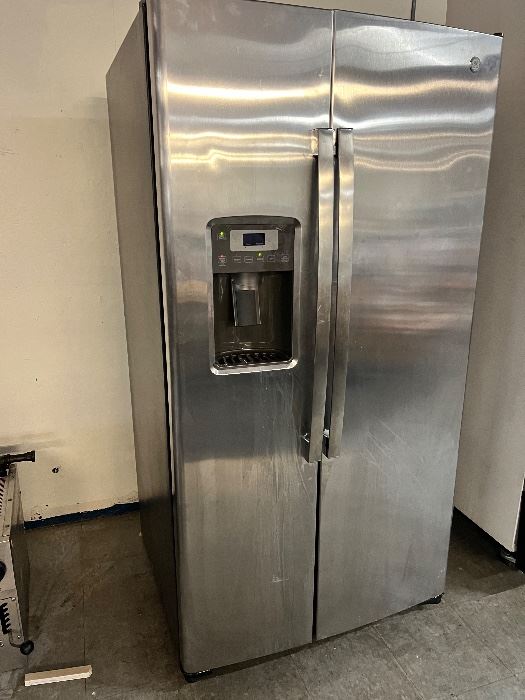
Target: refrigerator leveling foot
x,y
434,601
193,677
508,558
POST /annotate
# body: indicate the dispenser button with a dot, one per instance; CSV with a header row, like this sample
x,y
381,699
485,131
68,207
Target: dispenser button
x,y
248,258
270,258
222,260
237,259
260,257
285,258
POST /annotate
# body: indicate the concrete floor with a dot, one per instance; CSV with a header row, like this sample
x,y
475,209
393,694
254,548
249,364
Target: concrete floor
x,y
94,601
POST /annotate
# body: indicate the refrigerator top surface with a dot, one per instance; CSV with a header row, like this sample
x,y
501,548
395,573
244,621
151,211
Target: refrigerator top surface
x,y
371,17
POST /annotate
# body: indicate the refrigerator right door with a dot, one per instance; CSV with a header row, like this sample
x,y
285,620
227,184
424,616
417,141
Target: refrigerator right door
x,y
420,101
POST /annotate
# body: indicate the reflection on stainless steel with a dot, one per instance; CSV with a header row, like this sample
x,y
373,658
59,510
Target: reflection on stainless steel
x,y
241,87
279,292
422,126
228,93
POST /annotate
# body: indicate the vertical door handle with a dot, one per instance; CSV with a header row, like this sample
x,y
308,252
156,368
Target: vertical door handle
x,y
345,239
325,240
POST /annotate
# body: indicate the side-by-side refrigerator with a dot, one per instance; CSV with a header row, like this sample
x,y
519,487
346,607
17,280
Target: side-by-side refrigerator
x,y
300,198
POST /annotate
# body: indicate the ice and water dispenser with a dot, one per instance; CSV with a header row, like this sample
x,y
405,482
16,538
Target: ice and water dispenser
x,y
253,283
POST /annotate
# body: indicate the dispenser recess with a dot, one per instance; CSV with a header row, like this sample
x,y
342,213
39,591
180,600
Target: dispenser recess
x,y
253,292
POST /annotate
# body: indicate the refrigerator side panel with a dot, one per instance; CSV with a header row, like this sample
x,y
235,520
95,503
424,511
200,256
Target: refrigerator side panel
x,y
128,104
240,88
491,469
420,100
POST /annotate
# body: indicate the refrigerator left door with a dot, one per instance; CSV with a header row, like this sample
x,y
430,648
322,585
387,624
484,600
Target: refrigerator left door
x,y
239,89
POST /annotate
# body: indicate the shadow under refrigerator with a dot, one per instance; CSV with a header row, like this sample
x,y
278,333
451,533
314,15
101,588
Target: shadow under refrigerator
x,y
299,197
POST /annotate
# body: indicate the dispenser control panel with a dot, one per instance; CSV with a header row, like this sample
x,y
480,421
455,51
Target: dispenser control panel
x,y
252,248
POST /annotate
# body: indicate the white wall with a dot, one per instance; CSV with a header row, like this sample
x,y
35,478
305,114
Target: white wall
x,y
491,456
64,386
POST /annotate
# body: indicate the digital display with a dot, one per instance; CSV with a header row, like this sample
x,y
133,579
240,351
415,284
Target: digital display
x,y
255,238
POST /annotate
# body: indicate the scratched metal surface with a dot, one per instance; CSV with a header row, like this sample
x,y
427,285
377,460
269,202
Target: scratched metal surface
x,y
239,89
422,125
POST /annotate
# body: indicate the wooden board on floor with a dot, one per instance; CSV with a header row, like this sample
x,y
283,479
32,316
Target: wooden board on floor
x,y
58,675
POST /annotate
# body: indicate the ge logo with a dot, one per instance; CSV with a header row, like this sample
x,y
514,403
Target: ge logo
x,y
475,64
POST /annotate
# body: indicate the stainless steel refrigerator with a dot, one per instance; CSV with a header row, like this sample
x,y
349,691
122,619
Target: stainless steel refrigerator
x,y
300,198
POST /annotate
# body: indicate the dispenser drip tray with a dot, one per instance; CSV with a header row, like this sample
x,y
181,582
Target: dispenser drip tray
x,y
250,358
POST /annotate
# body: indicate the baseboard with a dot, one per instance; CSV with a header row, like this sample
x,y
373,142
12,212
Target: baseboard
x,y
117,509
